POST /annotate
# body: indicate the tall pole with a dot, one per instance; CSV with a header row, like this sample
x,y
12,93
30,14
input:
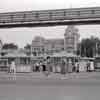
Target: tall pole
x,y
93,51
85,51
31,55
96,49
80,50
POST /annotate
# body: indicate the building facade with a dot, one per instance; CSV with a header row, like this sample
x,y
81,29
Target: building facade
x,y
41,45
71,39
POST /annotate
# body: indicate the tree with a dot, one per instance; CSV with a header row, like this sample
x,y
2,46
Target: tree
x,y
89,47
9,46
28,47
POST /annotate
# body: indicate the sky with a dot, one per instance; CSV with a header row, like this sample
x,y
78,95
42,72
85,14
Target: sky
x,y
22,36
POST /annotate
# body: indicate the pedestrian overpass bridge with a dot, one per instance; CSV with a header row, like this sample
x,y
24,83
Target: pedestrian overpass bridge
x,y
76,16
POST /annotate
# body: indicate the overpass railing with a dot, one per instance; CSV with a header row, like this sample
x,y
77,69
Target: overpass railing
x,y
49,15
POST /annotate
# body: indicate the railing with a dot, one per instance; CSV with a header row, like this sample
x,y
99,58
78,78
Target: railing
x,y
49,15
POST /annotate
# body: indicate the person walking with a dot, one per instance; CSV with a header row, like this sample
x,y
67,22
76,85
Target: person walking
x,y
63,67
13,70
77,67
37,66
40,66
70,66
48,66
74,67
44,65
91,66
88,66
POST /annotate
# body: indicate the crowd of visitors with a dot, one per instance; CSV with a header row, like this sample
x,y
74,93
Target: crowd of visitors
x,y
47,67
66,66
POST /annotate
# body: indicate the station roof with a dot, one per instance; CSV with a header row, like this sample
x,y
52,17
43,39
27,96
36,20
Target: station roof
x,y
64,54
16,54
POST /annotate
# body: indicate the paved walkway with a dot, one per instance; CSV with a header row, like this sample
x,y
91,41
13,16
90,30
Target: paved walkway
x,y
40,75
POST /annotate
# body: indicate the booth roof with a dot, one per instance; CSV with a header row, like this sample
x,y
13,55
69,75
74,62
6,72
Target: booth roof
x,y
16,54
41,56
64,54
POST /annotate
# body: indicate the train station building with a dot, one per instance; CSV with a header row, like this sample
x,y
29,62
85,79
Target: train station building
x,y
69,43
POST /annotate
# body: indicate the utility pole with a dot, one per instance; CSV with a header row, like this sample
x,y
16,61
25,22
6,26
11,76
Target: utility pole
x,y
96,49
85,51
93,51
31,55
80,50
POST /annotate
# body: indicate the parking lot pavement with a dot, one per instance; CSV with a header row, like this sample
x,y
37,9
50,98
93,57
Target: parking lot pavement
x,y
40,75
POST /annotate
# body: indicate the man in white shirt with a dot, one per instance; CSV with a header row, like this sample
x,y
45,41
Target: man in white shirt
x,y
13,70
91,66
